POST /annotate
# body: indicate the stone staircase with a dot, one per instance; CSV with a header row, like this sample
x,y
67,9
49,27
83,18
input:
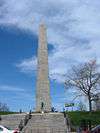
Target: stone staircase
x,y
46,123
12,121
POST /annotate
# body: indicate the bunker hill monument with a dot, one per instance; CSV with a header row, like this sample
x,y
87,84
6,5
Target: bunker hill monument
x,y
43,100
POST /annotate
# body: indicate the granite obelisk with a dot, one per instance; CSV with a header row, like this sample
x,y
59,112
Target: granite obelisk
x,y
43,100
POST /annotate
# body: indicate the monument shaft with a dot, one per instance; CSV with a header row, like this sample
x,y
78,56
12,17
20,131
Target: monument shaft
x,y
43,85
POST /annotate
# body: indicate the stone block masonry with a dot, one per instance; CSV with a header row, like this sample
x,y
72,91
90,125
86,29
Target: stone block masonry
x,y
43,100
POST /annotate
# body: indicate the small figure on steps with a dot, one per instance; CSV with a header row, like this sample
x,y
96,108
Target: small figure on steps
x,y
42,107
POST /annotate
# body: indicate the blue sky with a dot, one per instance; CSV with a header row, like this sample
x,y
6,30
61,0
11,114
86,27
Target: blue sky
x,y
73,31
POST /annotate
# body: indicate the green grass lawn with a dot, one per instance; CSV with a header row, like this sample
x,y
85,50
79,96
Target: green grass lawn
x,y
6,113
77,116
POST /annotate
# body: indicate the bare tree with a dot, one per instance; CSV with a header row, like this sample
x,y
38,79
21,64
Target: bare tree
x,y
81,106
4,107
86,79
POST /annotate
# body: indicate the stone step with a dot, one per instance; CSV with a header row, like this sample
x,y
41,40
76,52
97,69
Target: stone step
x,y
48,130
12,121
46,123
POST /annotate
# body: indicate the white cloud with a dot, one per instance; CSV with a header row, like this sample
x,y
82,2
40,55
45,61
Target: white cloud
x,y
27,65
61,60
73,28
10,88
18,92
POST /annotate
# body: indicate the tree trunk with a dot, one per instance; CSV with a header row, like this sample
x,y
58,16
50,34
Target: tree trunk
x,y
90,104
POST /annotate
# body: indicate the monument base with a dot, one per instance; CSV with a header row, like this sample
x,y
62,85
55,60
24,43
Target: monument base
x,y
46,123
12,120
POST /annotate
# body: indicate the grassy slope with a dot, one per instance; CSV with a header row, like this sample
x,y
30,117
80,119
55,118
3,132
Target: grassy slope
x,y
77,116
6,113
